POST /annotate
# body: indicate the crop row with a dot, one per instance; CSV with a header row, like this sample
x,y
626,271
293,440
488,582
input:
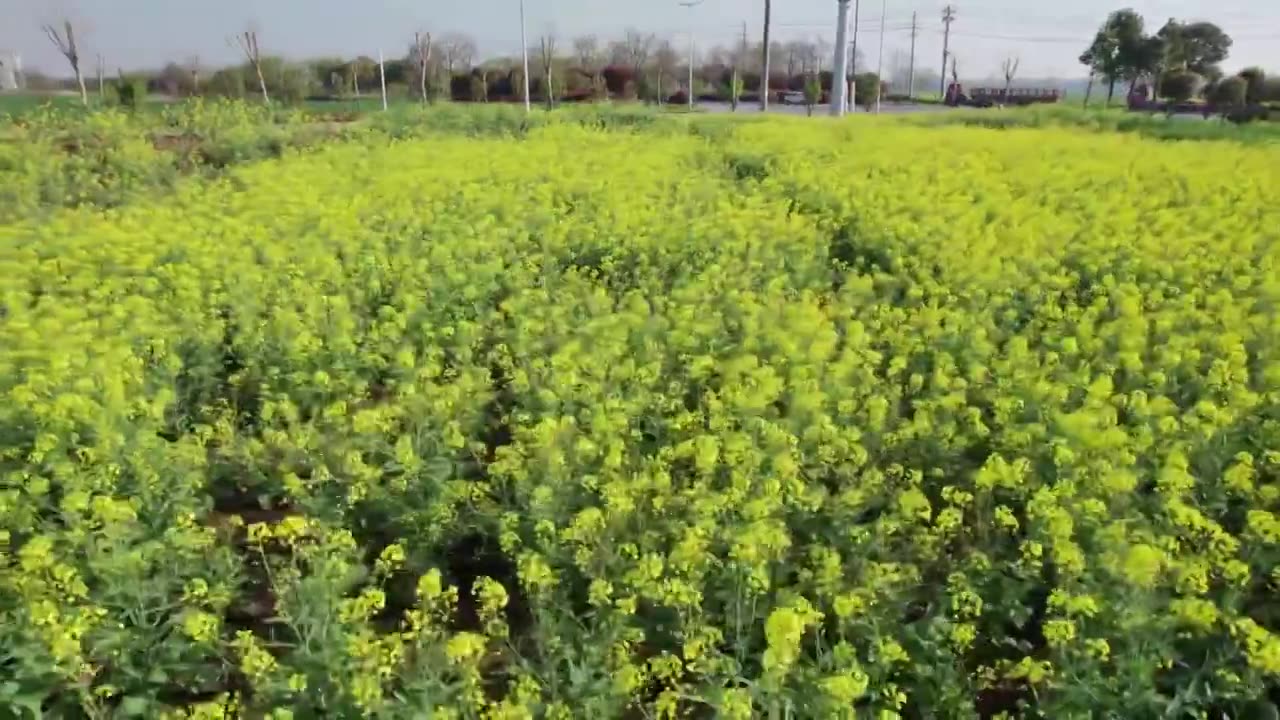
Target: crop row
x,y
774,419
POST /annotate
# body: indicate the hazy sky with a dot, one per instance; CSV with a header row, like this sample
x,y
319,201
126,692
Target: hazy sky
x,y
1046,37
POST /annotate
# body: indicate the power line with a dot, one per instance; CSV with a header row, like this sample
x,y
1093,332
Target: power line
x,y
1016,38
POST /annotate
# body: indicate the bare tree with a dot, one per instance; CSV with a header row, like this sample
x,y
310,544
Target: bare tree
x,y
824,50
421,56
791,53
65,41
806,55
586,50
248,43
457,52
635,49
193,67
764,56
547,56
667,61
1010,68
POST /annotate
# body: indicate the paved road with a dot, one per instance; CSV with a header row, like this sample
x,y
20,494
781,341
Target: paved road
x,y
887,108
819,110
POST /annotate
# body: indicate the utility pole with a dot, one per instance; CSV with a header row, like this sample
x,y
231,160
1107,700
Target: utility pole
x,y
880,61
101,77
911,68
764,60
948,17
691,4
524,51
740,76
382,76
852,80
842,58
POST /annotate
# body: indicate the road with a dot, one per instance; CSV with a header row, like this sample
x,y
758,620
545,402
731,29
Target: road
x,y
819,110
886,108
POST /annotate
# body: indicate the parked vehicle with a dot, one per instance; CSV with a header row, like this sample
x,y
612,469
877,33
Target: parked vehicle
x,y
991,97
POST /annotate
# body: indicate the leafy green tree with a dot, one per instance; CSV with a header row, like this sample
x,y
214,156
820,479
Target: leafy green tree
x,y
812,93
479,85
1229,95
1123,50
129,90
1271,90
1255,84
228,82
864,88
1180,86
1119,46
1198,47
735,90
1205,46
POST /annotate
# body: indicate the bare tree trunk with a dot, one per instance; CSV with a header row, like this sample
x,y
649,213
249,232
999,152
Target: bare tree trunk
x,y
1088,90
262,83
422,42
65,41
248,42
84,92
764,59
1111,90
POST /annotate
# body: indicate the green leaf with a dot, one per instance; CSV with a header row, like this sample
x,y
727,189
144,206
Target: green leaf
x,y
1260,710
134,706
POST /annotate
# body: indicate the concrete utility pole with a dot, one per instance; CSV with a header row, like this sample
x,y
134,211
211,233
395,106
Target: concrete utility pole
x,y
880,61
764,60
852,80
524,51
948,17
911,68
841,60
690,4
382,77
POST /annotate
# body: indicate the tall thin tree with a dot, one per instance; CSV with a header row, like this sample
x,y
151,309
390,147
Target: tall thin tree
x,y
248,43
547,56
422,60
65,41
1009,68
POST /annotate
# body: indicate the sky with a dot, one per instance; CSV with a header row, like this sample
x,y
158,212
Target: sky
x,y
1046,38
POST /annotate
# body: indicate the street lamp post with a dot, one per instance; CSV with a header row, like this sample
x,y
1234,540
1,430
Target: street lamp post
x,y
690,4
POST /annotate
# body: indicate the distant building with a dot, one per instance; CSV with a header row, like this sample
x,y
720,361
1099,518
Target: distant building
x,y
10,71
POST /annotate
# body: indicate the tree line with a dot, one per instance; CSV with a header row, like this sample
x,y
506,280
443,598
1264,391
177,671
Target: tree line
x,y
1179,62
637,65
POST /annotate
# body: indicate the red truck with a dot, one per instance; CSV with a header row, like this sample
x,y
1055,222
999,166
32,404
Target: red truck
x,y
990,97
